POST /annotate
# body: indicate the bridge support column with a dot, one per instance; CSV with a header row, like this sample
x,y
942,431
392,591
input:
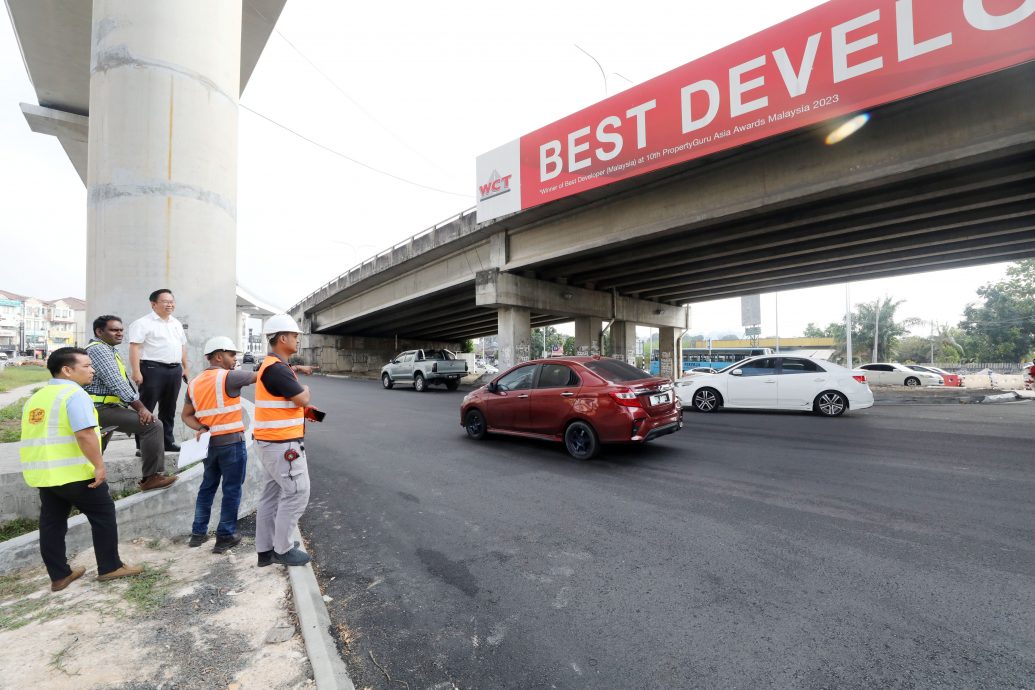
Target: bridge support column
x,y
515,332
623,341
670,354
162,167
587,335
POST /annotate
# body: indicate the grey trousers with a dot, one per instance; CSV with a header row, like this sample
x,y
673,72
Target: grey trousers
x,y
152,440
285,494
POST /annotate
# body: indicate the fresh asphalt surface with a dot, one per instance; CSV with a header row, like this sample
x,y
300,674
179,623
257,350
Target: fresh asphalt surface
x,y
888,548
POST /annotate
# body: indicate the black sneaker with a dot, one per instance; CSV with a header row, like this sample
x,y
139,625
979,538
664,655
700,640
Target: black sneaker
x,y
172,449
292,557
197,540
266,557
223,544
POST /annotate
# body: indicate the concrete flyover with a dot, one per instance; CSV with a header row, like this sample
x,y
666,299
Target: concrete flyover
x,y
940,180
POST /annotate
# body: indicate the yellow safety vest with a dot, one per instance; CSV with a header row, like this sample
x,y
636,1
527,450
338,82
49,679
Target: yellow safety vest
x,y
106,399
49,452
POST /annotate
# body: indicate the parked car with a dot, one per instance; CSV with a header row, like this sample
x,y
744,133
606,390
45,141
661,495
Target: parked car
x,y
894,374
248,358
768,382
953,380
423,368
583,402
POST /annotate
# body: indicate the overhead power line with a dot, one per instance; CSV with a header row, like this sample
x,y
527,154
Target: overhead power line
x,y
359,106
350,158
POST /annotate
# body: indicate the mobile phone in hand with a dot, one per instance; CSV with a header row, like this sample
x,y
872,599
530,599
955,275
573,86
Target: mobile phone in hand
x,y
314,415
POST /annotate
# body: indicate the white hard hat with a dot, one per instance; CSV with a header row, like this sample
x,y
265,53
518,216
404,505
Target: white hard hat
x,y
220,342
280,323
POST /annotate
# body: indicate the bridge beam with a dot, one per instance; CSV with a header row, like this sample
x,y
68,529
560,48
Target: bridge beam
x,y
495,288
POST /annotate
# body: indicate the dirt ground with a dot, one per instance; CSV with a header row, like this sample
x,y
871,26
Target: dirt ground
x,y
193,620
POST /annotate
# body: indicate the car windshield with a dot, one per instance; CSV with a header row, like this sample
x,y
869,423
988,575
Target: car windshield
x,y
615,371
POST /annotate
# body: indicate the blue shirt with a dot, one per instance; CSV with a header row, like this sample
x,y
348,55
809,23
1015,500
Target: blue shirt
x,y
80,407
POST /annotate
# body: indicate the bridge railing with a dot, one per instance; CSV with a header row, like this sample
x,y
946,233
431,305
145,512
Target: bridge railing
x,y
385,258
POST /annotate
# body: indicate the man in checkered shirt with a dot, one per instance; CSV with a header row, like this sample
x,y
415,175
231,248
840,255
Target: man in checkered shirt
x,y
118,403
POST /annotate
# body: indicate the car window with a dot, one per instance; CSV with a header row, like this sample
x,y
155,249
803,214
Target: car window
x,y
556,376
517,380
799,366
759,367
614,371
406,358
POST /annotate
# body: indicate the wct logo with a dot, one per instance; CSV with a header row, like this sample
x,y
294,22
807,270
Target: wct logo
x,y
495,186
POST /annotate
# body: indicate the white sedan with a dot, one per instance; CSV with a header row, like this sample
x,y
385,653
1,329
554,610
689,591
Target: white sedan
x,y
894,374
776,382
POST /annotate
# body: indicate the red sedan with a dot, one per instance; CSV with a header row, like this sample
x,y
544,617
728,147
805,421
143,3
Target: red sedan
x,y
581,401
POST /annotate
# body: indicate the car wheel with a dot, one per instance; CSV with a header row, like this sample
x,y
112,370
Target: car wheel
x,y
474,423
830,404
912,382
452,385
419,384
706,400
386,381
581,441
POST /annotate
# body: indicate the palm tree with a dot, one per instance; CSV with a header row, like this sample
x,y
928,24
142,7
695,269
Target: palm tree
x,y
880,317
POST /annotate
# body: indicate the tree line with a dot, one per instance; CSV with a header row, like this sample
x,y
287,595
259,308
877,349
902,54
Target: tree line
x,y
999,327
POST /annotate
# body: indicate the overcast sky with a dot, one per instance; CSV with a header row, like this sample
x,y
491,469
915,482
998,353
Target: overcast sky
x,y
419,90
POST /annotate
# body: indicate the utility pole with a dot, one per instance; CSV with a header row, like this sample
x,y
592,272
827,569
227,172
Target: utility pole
x,y
777,309
876,328
932,343
848,327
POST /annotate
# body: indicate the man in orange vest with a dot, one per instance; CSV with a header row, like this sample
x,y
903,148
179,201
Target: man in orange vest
x,y
280,409
213,405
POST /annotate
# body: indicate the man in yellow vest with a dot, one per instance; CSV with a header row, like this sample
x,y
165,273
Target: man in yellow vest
x,y
113,396
61,456
213,405
280,407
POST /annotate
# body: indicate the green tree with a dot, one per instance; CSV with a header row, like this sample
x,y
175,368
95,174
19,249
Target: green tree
x,y
1001,328
552,338
914,349
879,316
467,346
814,331
569,345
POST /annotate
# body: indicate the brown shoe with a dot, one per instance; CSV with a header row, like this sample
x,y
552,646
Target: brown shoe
x,y
124,571
156,481
58,585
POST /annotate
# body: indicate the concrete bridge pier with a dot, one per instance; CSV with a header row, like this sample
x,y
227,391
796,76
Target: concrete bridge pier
x,y
587,335
514,337
162,166
623,341
670,357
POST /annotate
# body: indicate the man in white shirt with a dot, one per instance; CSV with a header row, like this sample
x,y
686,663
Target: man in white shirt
x,y
158,359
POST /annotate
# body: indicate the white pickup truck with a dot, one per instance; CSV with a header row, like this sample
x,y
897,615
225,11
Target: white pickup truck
x,y
423,368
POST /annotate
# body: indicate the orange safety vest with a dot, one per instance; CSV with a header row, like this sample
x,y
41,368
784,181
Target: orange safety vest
x,y
212,406
276,418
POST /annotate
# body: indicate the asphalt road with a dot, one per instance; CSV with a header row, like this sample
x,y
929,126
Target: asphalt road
x,y
888,548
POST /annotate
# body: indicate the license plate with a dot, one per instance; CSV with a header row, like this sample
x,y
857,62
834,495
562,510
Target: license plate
x,y
660,399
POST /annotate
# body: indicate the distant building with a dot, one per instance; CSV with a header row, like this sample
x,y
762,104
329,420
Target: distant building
x,y
42,326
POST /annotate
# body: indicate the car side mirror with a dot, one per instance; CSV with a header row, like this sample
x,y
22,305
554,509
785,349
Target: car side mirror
x,y
737,372
494,387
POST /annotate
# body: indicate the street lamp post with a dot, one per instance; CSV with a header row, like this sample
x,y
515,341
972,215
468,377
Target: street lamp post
x,y
876,328
848,327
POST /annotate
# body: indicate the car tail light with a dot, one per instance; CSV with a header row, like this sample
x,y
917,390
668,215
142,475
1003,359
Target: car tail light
x,y
626,398
859,377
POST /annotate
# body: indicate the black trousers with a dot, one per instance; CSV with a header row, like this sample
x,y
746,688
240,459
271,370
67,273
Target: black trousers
x,y
149,438
161,387
96,504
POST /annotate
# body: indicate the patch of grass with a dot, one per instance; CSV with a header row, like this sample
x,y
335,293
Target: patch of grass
x,y
57,659
128,491
149,590
155,545
13,377
11,422
14,586
17,527
20,613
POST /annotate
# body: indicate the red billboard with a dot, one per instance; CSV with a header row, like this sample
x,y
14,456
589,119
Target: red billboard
x,y
842,57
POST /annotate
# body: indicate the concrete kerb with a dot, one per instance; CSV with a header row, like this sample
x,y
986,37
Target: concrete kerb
x,y
170,513
329,670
